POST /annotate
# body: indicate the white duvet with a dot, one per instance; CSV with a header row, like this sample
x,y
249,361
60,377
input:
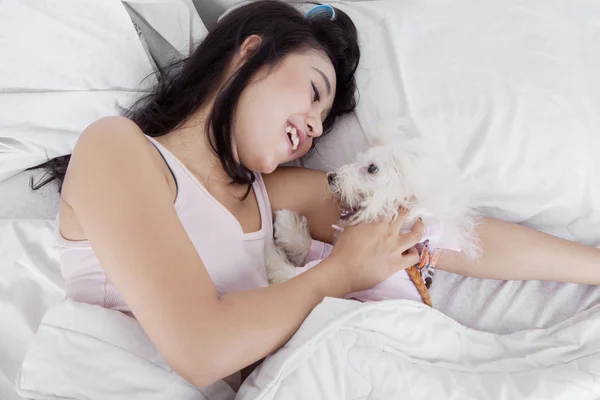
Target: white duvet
x,y
405,350
344,350
88,352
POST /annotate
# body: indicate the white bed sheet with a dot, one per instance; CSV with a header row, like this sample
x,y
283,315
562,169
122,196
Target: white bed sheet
x,y
30,279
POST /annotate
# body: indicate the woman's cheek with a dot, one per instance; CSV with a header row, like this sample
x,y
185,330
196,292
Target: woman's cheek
x,y
283,151
302,151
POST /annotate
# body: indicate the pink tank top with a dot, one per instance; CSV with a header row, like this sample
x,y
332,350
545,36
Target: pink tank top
x,y
234,259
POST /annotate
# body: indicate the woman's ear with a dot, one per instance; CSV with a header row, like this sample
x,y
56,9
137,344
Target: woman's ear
x,y
249,47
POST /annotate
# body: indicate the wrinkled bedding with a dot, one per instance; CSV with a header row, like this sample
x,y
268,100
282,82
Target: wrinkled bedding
x,y
88,352
343,350
512,89
403,349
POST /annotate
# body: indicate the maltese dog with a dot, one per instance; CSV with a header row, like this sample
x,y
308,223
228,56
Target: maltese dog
x,y
393,173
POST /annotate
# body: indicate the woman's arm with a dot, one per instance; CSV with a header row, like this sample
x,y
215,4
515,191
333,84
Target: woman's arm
x,y
122,201
510,251
514,252
306,192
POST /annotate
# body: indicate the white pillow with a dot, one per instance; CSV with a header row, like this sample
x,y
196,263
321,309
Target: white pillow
x,y
67,63
63,65
511,89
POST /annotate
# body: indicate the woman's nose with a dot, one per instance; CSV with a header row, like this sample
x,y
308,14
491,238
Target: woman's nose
x,y
315,127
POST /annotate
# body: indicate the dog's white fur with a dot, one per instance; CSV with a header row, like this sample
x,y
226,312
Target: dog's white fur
x,y
411,173
290,248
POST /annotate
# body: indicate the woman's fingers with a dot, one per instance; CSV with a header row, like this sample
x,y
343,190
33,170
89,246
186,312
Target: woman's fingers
x,y
397,224
410,257
410,239
406,259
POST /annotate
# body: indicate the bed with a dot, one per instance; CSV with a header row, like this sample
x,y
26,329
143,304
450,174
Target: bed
x,y
510,88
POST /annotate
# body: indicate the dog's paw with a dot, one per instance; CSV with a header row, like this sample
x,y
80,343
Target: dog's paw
x,y
292,235
278,267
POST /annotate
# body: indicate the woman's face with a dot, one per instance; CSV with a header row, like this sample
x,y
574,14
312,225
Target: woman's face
x,y
282,110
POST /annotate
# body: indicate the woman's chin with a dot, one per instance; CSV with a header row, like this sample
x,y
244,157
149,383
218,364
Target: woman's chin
x,y
266,166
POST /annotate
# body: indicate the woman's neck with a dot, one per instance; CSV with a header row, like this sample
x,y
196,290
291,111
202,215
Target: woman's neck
x,y
190,144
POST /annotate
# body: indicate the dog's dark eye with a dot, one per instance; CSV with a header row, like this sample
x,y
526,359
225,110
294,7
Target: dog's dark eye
x,y
372,169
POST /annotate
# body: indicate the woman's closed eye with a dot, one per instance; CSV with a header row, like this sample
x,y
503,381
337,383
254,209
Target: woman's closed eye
x,y
316,94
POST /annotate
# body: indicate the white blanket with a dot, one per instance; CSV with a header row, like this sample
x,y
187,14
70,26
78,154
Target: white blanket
x,y
344,350
403,349
88,352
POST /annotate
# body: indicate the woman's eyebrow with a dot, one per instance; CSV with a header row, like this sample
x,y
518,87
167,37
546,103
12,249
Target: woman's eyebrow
x,y
327,83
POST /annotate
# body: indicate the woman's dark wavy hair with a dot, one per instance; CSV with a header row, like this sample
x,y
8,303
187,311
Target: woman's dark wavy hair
x,y
187,85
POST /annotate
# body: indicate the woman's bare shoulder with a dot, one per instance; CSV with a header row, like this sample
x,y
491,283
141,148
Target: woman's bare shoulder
x,y
108,146
109,129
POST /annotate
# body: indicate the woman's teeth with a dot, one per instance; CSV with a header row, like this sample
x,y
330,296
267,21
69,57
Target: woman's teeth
x,y
291,131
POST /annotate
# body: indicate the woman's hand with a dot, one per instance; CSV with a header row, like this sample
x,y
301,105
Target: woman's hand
x,y
368,254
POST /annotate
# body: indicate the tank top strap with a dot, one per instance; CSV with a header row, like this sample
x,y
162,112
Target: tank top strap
x,y
262,198
172,162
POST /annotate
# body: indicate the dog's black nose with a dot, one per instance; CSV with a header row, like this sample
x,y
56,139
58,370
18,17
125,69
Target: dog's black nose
x,y
331,177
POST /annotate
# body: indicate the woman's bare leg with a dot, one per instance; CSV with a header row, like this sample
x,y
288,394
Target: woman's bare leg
x,y
515,252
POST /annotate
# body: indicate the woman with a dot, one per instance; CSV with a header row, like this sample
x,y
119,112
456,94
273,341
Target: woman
x,y
164,213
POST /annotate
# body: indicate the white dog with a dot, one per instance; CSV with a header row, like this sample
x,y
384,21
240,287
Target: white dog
x,y
393,173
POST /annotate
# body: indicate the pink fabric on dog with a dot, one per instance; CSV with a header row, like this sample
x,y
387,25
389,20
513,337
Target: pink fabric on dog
x,y
398,286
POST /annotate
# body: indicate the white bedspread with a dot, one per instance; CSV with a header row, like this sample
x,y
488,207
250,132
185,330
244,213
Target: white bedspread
x,y
88,352
344,350
403,349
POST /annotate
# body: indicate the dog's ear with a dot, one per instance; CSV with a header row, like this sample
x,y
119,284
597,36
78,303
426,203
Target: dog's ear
x,y
377,142
389,131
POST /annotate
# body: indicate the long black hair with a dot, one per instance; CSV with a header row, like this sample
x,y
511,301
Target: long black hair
x,y
187,85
